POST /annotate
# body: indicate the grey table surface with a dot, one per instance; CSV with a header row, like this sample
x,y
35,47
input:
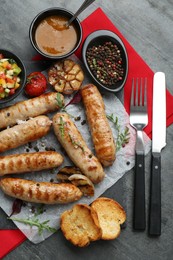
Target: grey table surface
x,y
148,26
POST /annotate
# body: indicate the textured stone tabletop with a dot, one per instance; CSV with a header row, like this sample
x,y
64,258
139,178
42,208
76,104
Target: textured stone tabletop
x,y
148,26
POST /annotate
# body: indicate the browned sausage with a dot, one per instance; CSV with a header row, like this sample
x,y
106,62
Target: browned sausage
x,y
28,131
40,192
29,108
76,148
100,129
28,162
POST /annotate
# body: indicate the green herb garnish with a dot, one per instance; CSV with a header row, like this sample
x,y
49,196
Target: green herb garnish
x,y
35,222
61,126
122,137
40,210
76,144
59,101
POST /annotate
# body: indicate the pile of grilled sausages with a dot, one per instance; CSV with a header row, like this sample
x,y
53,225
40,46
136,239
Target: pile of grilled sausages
x,y
33,125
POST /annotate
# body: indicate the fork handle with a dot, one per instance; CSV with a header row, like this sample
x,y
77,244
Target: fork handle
x,y
139,219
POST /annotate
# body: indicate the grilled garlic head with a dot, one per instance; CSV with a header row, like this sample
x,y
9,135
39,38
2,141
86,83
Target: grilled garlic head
x,y
66,76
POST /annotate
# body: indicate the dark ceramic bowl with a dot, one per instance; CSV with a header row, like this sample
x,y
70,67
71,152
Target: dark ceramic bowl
x,y
100,37
22,75
49,12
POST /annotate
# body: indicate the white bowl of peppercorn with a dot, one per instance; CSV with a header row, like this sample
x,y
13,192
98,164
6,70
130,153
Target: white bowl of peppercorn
x,y
106,60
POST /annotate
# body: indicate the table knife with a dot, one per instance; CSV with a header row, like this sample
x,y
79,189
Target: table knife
x,y
158,142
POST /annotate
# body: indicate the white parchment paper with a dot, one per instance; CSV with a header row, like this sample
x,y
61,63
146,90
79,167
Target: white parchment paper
x,y
124,162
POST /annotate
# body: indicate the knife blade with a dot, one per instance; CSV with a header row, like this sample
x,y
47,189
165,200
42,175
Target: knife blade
x,y
158,142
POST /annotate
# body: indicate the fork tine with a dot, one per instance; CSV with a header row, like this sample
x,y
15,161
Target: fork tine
x,y
132,94
141,92
145,93
136,100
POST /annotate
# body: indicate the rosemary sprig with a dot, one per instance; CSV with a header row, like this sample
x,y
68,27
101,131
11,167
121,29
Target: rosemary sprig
x,y
114,120
122,137
35,222
61,126
59,101
76,144
60,105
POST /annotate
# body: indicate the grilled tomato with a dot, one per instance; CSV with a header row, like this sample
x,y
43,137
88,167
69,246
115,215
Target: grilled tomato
x,y
36,84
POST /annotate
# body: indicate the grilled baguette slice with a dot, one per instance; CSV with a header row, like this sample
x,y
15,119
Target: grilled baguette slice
x,y
80,225
111,215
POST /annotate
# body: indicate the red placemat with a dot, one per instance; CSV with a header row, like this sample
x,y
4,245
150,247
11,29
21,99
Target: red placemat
x,y
137,68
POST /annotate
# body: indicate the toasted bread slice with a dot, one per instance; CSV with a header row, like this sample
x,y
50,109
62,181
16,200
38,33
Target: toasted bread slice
x,y
80,225
111,215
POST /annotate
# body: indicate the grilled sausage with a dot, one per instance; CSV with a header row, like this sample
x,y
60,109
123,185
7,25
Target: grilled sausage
x,y
28,131
76,148
29,108
28,162
100,130
40,192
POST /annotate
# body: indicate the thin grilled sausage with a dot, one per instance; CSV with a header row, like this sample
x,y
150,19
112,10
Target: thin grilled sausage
x,y
29,108
28,131
100,129
28,162
76,148
40,192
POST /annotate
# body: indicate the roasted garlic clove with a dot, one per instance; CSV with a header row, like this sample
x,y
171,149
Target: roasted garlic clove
x,y
66,76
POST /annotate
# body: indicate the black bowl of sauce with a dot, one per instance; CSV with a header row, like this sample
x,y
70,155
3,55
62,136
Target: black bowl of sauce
x,y
50,36
105,58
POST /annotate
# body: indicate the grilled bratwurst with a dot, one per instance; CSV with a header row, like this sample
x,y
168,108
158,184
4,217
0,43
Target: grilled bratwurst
x,y
40,192
76,148
28,162
100,129
28,131
29,108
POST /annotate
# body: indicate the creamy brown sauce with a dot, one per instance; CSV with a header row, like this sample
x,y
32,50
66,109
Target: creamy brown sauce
x,y
53,37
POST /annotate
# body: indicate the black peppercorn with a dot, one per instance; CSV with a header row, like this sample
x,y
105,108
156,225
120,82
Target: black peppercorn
x,y
105,62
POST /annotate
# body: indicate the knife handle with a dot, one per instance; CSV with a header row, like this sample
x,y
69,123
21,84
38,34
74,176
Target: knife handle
x,y
139,218
155,196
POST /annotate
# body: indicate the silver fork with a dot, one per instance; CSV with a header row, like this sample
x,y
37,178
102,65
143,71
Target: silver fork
x,y
139,120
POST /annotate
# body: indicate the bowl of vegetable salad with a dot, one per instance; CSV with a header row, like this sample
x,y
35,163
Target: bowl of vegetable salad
x,y
12,76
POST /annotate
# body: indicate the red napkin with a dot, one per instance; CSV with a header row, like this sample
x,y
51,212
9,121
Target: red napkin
x,y
137,68
10,239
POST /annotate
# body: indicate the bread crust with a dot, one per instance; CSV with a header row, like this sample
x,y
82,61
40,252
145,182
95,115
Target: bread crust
x,y
100,129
